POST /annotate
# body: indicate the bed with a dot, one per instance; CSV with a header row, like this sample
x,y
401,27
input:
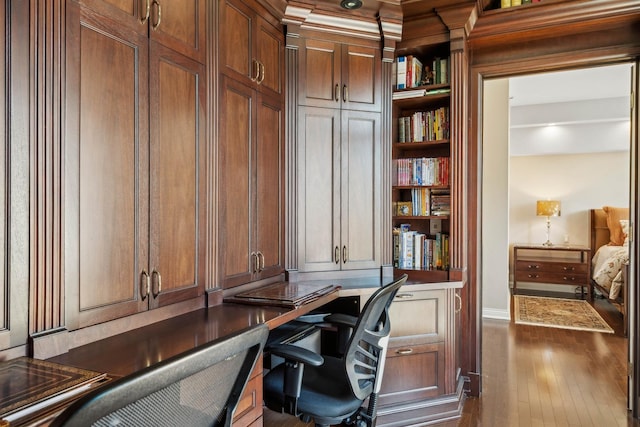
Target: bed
x,y
610,254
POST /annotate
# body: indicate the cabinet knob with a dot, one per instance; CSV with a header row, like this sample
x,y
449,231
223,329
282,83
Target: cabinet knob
x,y
532,276
569,279
533,266
404,351
568,268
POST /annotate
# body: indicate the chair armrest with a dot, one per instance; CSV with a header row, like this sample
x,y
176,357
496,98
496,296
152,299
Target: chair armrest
x,y
342,319
296,354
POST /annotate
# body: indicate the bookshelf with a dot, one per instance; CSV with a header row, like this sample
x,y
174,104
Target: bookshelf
x,y
421,155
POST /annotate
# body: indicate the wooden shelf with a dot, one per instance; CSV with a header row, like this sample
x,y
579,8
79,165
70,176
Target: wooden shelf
x,y
419,217
409,187
425,275
420,145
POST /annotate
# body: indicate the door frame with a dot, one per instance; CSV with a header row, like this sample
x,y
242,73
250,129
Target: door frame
x,y
472,330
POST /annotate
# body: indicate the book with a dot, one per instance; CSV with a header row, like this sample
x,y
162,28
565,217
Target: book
x,y
401,72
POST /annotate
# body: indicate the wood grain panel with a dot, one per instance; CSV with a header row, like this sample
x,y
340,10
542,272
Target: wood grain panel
x,y
320,73
236,37
177,173
361,78
181,27
270,53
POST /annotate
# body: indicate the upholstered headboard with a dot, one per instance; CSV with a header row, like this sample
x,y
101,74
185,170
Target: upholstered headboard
x,y
599,229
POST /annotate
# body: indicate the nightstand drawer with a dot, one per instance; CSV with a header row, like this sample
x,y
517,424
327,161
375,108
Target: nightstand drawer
x,y
550,277
554,267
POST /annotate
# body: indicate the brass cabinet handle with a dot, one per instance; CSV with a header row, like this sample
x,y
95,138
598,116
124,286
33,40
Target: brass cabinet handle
x,y
145,18
568,268
254,262
345,93
533,266
345,254
145,285
336,255
158,15
532,276
260,258
572,279
404,351
404,296
336,92
158,282
260,72
256,66
459,301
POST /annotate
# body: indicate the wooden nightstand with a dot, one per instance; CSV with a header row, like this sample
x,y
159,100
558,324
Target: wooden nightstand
x,y
558,264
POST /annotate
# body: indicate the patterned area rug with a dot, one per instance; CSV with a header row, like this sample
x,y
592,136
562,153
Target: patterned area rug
x,y
559,313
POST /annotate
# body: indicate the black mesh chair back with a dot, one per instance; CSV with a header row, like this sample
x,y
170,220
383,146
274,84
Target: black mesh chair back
x,y
200,387
332,390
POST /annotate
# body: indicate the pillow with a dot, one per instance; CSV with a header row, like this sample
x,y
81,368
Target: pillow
x,y
614,215
624,224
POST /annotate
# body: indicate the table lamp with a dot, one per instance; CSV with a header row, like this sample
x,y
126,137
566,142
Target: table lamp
x,y
548,208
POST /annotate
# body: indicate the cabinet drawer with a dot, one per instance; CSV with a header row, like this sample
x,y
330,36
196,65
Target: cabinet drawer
x,y
417,317
413,373
250,405
550,277
556,267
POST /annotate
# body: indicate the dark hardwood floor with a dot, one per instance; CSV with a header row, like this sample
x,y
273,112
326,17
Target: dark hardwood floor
x,y
537,376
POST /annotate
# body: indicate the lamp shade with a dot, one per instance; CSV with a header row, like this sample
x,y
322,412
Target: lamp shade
x,y
548,208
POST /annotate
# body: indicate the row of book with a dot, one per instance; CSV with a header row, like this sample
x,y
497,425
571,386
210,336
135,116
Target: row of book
x,y
412,72
421,171
424,126
415,250
425,202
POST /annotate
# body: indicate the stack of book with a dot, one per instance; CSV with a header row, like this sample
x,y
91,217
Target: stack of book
x,y
413,250
440,202
424,126
428,171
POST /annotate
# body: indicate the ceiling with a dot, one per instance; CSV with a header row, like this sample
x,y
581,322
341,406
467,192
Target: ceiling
x,y
576,85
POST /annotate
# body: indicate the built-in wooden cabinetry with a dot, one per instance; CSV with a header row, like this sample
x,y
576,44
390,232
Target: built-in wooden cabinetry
x,y
134,150
14,174
339,154
250,148
422,372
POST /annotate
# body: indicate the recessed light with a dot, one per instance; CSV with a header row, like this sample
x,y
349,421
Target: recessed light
x,y
351,4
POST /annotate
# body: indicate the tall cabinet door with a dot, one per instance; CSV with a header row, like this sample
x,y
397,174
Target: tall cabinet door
x,y
177,168
14,174
361,184
269,196
236,133
105,169
319,189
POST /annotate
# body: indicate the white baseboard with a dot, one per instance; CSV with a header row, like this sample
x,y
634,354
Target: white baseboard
x,y
492,313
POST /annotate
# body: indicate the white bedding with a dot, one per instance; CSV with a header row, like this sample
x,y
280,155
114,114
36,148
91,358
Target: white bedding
x,y
607,266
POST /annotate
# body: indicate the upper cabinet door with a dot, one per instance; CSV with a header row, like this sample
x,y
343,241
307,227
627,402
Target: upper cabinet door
x,y
106,162
177,182
336,75
251,49
361,78
320,74
179,25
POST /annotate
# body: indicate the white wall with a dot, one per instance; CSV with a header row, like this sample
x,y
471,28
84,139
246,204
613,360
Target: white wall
x,y
495,200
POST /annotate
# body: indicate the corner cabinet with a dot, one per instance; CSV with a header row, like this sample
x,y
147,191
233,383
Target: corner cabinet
x,y
250,145
134,170
339,157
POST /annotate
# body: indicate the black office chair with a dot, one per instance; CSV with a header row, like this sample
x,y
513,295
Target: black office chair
x,y
200,387
331,390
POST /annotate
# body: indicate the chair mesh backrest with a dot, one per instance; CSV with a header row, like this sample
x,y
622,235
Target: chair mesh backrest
x,y
369,339
200,387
